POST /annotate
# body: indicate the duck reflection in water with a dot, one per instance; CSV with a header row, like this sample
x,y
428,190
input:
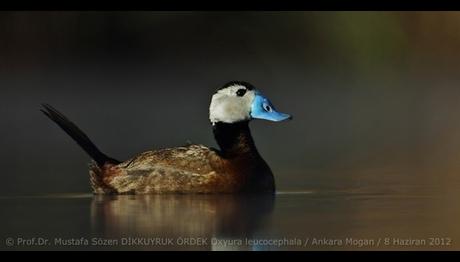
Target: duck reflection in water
x,y
180,216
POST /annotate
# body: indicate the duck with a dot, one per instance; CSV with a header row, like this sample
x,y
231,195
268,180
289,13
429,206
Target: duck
x,y
235,167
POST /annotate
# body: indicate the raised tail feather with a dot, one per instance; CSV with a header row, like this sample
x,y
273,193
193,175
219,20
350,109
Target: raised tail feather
x,y
77,135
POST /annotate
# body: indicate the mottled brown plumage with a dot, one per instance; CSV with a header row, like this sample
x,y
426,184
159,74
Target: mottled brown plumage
x,y
188,169
191,169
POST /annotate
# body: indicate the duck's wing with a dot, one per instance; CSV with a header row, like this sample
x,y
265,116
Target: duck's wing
x,y
188,169
193,158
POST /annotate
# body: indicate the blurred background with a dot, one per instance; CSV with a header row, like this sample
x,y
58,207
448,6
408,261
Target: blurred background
x,y
375,95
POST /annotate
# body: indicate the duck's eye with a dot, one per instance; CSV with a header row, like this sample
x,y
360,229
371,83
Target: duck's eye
x,y
267,107
241,92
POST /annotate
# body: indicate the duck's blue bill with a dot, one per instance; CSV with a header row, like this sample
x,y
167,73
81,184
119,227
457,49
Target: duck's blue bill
x,y
262,108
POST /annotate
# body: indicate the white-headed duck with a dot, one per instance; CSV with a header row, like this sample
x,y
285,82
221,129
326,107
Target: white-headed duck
x,y
236,167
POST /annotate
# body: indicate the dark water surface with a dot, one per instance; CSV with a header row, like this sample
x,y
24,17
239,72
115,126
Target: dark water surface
x,y
404,218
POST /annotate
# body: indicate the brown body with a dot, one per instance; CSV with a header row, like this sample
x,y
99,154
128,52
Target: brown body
x,y
238,167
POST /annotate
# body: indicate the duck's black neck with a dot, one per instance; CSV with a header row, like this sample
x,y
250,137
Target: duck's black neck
x,y
234,139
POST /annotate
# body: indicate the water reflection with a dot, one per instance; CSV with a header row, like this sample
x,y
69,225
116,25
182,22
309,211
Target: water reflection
x,y
175,216
360,214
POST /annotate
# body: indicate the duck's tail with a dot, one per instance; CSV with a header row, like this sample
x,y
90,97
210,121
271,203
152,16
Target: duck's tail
x,y
77,135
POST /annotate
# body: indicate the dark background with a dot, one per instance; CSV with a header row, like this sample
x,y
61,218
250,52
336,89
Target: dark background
x,y
375,95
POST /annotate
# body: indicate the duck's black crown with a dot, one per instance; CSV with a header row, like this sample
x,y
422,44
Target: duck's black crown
x,y
240,83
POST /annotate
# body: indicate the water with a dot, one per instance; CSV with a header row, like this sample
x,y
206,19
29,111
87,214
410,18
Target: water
x,y
396,218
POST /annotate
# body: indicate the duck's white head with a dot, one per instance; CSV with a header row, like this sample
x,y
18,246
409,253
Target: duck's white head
x,y
239,101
